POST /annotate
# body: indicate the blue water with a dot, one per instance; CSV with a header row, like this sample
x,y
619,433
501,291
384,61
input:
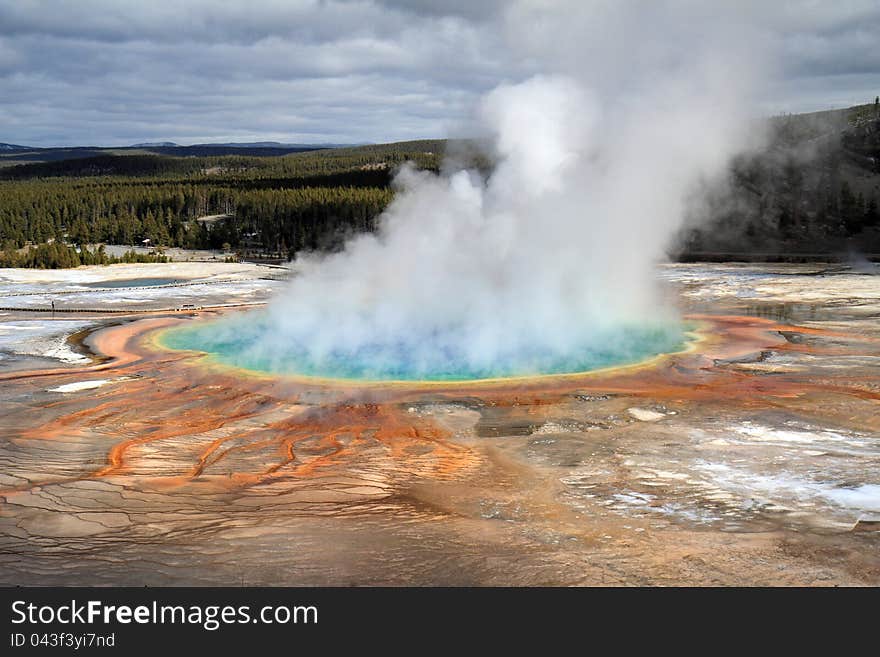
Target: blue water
x,y
241,341
133,282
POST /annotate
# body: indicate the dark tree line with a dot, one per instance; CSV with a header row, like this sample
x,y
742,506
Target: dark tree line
x,y
426,154
168,214
54,255
311,218
815,188
275,206
779,198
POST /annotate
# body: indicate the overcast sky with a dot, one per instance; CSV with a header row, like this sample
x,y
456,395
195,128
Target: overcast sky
x,y
113,72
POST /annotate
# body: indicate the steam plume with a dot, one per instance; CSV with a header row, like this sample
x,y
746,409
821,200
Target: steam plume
x,y
598,154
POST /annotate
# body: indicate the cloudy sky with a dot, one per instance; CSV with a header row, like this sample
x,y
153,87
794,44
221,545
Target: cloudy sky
x,y
113,72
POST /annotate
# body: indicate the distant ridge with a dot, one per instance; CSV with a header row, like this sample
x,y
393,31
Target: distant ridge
x,y
154,144
11,154
242,144
271,144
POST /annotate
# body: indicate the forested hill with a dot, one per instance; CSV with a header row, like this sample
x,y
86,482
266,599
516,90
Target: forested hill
x,y
425,153
272,206
814,189
12,154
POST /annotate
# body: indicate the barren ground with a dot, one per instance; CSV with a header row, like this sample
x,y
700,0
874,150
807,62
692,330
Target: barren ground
x,y
752,460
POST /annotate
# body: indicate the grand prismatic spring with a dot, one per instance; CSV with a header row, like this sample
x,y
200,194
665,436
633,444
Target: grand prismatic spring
x,y
500,379
232,341
748,455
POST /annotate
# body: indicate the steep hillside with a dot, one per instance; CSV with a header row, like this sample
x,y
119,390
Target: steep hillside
x,y
813,189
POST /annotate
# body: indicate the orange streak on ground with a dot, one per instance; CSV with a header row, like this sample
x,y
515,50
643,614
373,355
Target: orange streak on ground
x,y
164,423
112,342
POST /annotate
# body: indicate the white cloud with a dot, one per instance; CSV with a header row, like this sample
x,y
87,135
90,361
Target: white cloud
x,y
113,72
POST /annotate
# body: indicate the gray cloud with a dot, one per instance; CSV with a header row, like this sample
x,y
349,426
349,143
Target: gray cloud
x,y
117,72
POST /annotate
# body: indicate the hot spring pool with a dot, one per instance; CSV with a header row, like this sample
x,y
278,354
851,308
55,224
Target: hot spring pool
x,y
241,341
133,282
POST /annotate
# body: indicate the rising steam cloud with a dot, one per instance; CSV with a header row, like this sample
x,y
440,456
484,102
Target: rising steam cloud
x,y
598,154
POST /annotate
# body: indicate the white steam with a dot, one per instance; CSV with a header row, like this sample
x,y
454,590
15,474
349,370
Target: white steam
x,y
556,249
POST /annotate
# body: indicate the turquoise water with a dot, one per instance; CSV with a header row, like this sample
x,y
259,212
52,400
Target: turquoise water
x,y
133,282
250,342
